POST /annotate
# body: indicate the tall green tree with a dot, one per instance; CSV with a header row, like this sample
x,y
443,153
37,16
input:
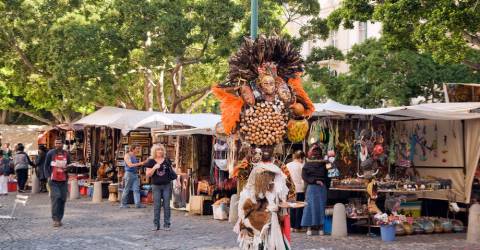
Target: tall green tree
x,y
379,76
447,30
64,59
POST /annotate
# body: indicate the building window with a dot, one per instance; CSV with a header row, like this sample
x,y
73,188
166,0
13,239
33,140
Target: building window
x,y
333,38
362,31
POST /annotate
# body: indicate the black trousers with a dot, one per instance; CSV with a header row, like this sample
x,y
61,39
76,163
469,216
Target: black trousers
x,y
22,177
297,213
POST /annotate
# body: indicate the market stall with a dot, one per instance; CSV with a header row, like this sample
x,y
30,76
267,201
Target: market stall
x,y
441,139
112,130
399,155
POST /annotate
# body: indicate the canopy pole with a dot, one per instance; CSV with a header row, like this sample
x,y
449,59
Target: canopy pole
x,y
254,20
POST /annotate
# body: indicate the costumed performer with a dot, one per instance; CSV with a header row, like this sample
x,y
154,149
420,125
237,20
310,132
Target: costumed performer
x,y
259,211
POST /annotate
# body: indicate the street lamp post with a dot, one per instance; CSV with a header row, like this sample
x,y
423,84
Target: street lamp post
x,y
254,19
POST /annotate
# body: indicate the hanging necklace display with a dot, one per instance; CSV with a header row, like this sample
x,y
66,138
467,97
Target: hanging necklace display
x,y
434,146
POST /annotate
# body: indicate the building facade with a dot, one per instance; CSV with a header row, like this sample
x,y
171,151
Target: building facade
x,y
343,39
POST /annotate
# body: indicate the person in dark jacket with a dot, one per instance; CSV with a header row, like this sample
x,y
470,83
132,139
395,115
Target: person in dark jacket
x,y
158,168
5,171
315,176
40,164
21,161
55,168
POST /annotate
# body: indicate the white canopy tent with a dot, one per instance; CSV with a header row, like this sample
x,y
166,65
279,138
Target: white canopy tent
x,y
430,111
464,117
128,119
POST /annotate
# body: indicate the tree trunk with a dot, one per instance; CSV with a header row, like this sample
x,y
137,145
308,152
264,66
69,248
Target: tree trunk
x,y
162,105
34,116
198,102
148,90
3,117
177,85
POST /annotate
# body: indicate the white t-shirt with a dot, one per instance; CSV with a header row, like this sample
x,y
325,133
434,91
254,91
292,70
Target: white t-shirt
x,y
295,169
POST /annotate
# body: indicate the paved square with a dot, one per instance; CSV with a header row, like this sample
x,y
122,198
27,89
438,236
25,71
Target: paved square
x,y
105,226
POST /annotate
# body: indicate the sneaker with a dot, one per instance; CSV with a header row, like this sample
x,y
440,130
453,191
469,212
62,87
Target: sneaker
x,y
155,228
140,206
309,232
57,224
321,233
166,228
124,206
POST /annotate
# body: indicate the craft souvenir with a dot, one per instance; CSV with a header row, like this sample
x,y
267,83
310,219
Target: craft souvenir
x,y
297,109
427,226
447,226
399,229
437,226
314,134
271,67
408,228
417,228
458,226
247,94
297,130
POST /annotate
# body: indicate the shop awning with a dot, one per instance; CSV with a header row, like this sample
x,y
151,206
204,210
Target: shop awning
x,y
192,131
430,111
128,119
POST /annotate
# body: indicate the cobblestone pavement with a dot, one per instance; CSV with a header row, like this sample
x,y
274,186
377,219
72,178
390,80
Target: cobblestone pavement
x,y
105,226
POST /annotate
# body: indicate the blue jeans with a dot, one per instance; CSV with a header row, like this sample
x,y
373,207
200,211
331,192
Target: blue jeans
x,y
161,192
132,182
58,196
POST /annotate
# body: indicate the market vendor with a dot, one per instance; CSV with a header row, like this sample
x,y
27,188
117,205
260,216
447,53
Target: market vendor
x,y
315,175
131,179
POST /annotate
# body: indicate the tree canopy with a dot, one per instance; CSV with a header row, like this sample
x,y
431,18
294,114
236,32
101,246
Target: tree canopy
x,y
63,59
380,76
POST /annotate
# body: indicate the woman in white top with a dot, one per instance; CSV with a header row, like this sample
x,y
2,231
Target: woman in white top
x,y
295,169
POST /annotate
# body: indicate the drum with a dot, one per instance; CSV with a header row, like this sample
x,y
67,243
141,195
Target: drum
x,y
113,192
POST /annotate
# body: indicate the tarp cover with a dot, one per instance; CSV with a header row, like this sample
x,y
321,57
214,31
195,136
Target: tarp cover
x,y
128,119
430,111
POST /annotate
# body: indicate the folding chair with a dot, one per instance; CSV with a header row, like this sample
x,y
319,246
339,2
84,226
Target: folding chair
x,y
20,199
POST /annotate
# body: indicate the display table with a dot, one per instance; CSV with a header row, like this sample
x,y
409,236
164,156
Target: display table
x,y
388,190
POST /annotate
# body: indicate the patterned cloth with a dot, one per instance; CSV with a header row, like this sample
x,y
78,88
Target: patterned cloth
x,y
290,184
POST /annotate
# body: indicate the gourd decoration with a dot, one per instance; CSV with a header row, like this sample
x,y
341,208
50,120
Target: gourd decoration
x,y
263,98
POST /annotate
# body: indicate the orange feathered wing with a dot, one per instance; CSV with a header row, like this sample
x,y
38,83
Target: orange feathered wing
x,y
302,96
231,106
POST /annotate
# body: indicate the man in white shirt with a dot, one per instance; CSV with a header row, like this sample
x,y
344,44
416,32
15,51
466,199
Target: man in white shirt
x,y
295,169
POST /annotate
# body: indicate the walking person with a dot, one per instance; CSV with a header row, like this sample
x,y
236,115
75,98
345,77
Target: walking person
x,y
7,152
295,168
314,174
21,161
55,167
131,180
40,164
5,171
159,168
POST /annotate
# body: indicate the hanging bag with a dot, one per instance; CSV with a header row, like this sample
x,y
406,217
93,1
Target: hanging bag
x,y
172,175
